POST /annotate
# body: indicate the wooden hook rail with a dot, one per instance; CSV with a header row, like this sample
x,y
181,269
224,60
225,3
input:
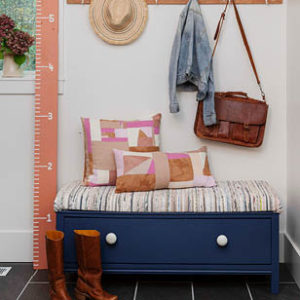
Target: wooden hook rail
x,y
185,1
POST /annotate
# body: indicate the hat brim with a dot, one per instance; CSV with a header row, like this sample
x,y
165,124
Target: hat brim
x,y
126,36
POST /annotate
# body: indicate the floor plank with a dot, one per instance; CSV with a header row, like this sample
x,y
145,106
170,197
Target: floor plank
x,y
286,292
164,290
40,291
14,282
221,290
153,287
121,286
42,276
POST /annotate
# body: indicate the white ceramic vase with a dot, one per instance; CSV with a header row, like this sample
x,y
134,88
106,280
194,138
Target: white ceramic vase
x,y
10,67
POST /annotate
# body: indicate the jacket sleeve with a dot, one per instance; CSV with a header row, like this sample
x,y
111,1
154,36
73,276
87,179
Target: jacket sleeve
x,y
209,113
174,106
206,88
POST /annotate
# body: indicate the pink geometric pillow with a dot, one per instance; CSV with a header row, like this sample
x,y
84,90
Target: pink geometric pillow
x,y
156,170
102,136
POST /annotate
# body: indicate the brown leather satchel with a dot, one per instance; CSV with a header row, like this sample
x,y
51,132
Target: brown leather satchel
x,y
241,120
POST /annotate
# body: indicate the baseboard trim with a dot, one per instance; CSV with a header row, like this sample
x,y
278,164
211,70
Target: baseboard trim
x,y
294,245
292,257
16,245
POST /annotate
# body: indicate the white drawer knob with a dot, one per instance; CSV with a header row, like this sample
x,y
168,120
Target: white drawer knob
x,y
222,240
111,238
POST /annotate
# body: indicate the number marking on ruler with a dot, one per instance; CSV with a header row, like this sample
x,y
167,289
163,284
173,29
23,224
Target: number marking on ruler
x,y
49,116
45,142
49,166
50,67
50,18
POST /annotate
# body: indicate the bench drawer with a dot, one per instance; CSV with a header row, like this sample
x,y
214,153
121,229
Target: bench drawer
x,y
146,240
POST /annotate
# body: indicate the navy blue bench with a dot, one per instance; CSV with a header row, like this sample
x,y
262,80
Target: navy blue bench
x,y
180,243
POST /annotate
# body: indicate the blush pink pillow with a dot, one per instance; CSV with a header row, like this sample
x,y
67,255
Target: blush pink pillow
x,y
101,136
157,170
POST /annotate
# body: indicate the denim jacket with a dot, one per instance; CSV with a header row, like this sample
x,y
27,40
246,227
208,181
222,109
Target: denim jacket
x,y
191,62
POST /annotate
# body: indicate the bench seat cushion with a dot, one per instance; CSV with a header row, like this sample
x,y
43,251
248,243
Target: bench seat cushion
x,y
227,196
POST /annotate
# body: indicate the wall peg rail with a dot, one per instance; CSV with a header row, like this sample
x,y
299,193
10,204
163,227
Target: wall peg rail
x,y
185,1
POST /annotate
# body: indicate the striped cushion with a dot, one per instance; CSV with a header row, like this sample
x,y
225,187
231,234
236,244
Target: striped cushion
x,y
227,196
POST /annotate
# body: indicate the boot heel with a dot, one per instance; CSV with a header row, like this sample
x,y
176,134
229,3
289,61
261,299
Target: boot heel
x,y
79,296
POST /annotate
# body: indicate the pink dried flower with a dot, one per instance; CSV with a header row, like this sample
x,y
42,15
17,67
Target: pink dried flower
x,y
19,42
6,25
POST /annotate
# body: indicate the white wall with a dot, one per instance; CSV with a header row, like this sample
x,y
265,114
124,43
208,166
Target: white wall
x,y
16,132
125,82
131,81
292,248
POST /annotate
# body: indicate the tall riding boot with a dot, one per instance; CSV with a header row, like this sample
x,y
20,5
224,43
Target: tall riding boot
x,y
88,284
54,247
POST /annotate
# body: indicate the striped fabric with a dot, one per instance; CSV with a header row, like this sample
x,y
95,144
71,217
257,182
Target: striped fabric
x,y
227,196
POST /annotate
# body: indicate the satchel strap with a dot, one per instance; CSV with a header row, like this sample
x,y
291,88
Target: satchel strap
x,y
217,36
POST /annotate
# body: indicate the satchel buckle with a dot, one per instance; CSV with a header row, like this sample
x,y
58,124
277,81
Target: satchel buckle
x,y
246,127
246,132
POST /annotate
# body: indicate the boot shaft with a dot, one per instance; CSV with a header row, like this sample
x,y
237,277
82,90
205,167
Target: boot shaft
x,y
88,250
54,248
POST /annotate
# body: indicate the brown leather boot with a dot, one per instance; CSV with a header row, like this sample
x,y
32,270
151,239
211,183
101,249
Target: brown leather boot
x,y
88,284
54,247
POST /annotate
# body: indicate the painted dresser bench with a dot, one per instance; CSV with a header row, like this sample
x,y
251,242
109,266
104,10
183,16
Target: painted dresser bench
x,y
230,229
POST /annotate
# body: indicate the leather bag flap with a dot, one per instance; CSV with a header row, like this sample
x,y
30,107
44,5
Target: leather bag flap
x,y
241,110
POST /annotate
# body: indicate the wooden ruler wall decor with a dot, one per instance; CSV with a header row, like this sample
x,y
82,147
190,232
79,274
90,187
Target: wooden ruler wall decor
x,y
45,138
185,1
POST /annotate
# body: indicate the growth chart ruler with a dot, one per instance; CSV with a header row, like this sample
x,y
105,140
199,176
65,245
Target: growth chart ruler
x,y
45,139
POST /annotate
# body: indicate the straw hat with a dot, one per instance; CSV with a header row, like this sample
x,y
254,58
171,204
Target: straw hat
x,y
118,22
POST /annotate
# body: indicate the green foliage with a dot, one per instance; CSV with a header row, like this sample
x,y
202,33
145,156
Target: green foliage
x,y
20,59
23,13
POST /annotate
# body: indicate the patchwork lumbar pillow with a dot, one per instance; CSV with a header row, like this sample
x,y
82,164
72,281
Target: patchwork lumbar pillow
x,y
102,136
149,171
